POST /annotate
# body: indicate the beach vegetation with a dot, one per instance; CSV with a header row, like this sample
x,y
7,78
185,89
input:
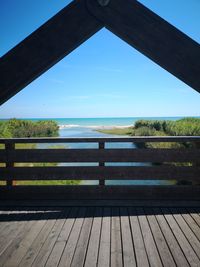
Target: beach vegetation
x,y
182,127
117,131
15,128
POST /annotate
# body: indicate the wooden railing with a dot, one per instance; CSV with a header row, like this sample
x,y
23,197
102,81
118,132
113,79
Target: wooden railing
x,y
167,164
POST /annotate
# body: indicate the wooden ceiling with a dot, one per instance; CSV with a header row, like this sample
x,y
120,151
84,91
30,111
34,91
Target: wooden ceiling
x,y
128,19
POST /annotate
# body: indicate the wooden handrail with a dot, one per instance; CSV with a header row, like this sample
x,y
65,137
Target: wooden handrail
x,y
157,163
135,139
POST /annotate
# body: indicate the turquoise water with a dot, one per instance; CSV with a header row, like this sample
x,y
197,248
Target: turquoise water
x,y
88,122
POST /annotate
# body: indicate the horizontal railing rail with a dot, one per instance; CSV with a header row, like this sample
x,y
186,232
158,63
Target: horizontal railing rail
x,y
20,163
97,155
102,172
135,139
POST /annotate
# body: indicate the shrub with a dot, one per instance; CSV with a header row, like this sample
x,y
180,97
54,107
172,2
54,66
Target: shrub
x,y
24,128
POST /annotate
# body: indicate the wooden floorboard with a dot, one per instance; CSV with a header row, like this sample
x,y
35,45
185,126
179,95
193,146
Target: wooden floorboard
x,y
38,243
15,241
116,242
70,247
60,243
138,240
191,237
160,241
152,251
93,246
8,229
105,237
99,236
49,243
171,240
127,242
82,244
182,240
191,223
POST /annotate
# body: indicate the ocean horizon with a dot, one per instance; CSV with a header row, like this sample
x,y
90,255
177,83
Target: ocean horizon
x,y
101,122
86,127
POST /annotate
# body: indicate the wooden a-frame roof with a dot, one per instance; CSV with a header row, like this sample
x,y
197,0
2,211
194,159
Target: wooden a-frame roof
x,y
128,19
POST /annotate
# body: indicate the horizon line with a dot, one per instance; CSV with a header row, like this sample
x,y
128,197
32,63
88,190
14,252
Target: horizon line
x,y
121,117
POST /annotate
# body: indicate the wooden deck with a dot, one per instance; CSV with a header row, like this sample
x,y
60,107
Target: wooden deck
x,y
99,236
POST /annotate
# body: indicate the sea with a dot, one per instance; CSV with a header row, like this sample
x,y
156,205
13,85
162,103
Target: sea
x,y
87,127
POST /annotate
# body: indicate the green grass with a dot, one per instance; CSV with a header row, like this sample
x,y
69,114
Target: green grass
x,y
46,182
117,131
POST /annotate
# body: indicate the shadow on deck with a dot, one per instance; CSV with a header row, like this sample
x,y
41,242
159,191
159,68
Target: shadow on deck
x,y
115,235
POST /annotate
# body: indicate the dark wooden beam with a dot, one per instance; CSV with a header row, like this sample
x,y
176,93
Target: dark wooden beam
x,y
46,46
92,192
99,155
135,139
152,36
100,172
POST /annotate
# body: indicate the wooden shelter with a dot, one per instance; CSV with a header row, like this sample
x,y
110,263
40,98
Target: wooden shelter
x,y
100,225
151,35
128,19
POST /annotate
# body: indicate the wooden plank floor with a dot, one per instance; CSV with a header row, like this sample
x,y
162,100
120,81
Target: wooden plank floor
x,y
99,236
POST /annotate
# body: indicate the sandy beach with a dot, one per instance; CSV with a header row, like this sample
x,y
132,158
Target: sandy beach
x,y
97,127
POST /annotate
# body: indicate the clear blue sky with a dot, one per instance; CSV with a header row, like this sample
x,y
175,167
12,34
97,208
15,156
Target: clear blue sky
x,y
113,78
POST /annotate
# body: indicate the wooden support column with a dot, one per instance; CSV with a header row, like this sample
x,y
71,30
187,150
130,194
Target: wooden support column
x,y
9,163
102,164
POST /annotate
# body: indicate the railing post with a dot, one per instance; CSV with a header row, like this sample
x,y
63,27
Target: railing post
x,y
101,164
9,163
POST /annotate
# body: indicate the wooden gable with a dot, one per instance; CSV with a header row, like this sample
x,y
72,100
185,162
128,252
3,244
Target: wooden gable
x,y
73,25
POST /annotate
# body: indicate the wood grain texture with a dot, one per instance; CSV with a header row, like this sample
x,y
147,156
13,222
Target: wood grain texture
x,y
15,241
127,241
152,252
49,243
105,237
67,256
93,245
82,244
138,241
116,256
172,242
98,236
160,241
154,37
180,236
191,237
